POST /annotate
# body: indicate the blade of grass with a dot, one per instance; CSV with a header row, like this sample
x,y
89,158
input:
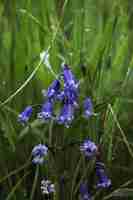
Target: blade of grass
x,y
36,68
121,131
10,195
25,12
75,176
34,183
123,185
15,171
22,86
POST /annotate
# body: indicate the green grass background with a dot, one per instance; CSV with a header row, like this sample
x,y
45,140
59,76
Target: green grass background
x,y
94,34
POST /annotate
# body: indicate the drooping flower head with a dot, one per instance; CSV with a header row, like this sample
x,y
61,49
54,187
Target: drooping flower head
x,y
84,192
53,89
89,148
71,86
103,180
66,115
25,115
88,108
46,111
47,187
38,153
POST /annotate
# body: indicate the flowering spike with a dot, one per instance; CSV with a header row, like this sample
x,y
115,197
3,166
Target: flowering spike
x,y
46,111
47,187
104,181
84,192
88,108
66,115
38,153
89,148
25,115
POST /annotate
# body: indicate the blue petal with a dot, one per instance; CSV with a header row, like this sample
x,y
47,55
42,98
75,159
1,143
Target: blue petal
x,y
25,115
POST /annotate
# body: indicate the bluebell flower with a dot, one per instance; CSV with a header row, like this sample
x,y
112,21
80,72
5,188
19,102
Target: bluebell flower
x,y
103,180
66,115
25,115
60,96
71,96
38,153
89,148
53,89
84,192
69,79
88,107
46,111
68,95
71,86
47,187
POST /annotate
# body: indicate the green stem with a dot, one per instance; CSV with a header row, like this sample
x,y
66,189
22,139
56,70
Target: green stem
x,y
50,132
75,176
16,186
34,183
15,171
121,131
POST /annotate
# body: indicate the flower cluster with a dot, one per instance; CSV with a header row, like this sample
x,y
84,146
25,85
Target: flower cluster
x,y
90,151
89,148
38,153
103,180
67,95
47,187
